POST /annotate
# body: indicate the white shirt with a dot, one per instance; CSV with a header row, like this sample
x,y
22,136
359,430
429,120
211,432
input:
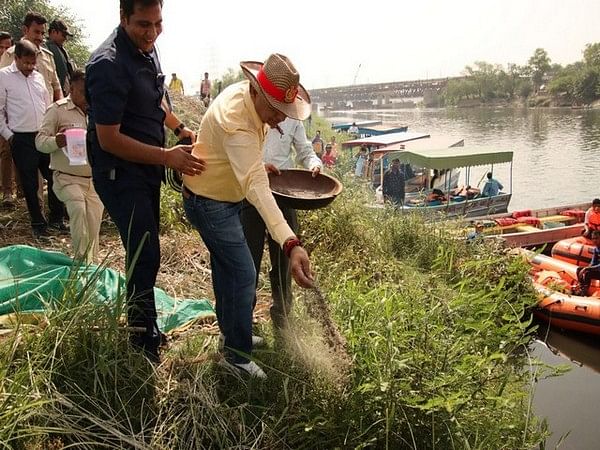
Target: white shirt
x,y
278,148
23,101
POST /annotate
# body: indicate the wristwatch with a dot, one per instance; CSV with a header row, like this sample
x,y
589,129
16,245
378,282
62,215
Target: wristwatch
x,y
177,130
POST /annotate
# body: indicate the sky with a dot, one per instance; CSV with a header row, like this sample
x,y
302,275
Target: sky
x,y
339,43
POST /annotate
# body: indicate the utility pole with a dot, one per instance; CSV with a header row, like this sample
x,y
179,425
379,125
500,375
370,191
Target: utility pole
x,y
356,74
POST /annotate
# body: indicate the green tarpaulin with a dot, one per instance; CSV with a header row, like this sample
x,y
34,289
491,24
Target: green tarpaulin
x,y
31,278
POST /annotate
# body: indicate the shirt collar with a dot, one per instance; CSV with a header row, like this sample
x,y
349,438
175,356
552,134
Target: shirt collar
x,y
122,35
253,114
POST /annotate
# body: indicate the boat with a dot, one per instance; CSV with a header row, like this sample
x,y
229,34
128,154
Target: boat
x,y
419,181
535,227
554,281
374,142
378,130
343,126
577,250
465,201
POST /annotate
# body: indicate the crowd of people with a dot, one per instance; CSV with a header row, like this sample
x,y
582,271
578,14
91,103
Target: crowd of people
x,y
253,127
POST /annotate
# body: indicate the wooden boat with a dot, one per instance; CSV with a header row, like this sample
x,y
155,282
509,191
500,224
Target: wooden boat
x,y
445,160
343,126
382,140
419,181
378,130
555,280
537,227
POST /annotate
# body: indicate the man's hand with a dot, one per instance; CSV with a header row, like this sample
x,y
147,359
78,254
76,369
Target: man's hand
x,y
300,268
61,139
271,168
180,158
186,132
316,171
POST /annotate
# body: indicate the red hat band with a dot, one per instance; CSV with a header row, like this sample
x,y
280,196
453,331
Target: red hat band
x,y
281,95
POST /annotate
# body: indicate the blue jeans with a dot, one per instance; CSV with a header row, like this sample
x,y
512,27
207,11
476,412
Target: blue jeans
x,y
233,273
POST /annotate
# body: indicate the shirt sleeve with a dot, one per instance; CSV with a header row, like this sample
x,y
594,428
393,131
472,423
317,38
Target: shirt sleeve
x,y
4,130
108,90
243,151
586,219
305,154
45,141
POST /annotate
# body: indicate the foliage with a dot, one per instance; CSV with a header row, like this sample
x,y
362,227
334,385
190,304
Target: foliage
x,y
231,76
540,66
13,12
578,83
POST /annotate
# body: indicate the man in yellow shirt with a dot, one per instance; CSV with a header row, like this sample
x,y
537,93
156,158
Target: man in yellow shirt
x,y
176,85
230,141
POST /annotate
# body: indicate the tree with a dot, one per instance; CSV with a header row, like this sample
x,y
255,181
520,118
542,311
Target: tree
x,y
540,66
12,13
591,55
232,76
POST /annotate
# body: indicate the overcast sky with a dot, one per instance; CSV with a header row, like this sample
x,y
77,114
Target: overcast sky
x,y
328,40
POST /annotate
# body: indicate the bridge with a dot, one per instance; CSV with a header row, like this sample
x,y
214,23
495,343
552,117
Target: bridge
x,y
380,94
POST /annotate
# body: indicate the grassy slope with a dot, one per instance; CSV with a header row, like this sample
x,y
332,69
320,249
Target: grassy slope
x,y
434,329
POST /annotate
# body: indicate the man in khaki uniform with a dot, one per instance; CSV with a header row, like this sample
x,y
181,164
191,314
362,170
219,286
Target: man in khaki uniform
x,y
34,29
72,183
6,163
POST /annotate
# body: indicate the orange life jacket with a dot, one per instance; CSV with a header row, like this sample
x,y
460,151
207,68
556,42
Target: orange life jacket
x,y
594,220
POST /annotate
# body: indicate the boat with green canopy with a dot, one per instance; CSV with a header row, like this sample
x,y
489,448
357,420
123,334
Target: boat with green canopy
x,y
464,200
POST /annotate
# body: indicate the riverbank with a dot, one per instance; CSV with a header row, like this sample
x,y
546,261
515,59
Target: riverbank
x,y
436,335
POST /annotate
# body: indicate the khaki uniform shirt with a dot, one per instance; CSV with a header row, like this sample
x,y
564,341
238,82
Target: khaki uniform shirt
x,y
230,140
61,114
44,65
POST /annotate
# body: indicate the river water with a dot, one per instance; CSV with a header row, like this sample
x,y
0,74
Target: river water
x,y
556,162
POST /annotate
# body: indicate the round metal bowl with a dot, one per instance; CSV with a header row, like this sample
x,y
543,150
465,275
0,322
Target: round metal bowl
x,y
296,188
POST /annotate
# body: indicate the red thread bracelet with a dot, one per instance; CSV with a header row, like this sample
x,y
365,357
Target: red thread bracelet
x,y
289,245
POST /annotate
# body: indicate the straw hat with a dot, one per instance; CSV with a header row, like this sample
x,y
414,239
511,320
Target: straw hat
x,y
279,82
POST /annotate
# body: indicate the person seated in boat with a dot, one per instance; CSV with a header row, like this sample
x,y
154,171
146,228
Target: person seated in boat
x,y
585,275
591,222
465,191
477,233
435,195
492,186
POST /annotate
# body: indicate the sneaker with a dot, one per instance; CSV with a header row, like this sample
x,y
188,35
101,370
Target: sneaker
x,y
250,368
257,341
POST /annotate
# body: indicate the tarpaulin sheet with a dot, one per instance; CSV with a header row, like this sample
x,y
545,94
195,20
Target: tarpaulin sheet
x,y
32,280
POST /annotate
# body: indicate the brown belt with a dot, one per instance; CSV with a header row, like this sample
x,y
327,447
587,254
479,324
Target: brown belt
x,y
73,175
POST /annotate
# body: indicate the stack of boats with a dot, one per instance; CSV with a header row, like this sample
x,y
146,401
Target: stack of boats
x,y
558,232
554,277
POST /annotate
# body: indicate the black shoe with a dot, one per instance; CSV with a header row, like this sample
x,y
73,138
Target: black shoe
x,y
58,226
41,233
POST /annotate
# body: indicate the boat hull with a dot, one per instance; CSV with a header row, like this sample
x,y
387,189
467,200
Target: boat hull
x,y
466,208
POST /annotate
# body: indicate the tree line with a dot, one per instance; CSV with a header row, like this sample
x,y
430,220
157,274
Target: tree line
x,y
576,84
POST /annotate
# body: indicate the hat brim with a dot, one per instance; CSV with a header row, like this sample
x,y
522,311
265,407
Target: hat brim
x,y
300,109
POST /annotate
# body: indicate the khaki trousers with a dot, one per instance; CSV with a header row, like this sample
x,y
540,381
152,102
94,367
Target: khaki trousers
x,y
85,213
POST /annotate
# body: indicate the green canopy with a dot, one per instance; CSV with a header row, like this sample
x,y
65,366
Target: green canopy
x,y
32,280
452,158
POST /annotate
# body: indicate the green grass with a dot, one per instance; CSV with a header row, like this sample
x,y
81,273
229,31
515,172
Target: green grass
x,y
437,336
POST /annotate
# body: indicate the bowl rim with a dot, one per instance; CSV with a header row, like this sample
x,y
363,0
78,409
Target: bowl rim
x,y
339,187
